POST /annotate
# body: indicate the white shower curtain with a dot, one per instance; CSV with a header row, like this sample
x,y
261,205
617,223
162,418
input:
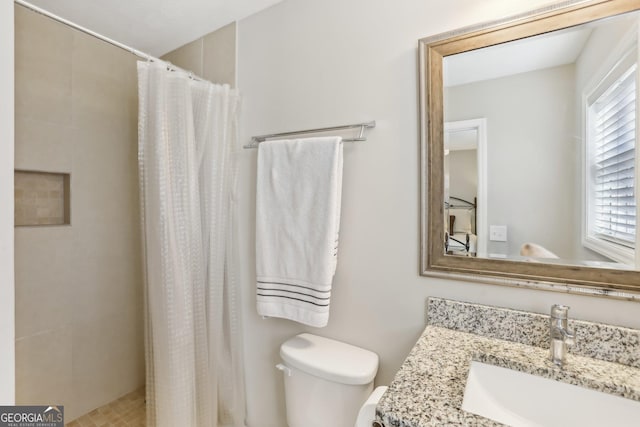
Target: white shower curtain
x,y
187,166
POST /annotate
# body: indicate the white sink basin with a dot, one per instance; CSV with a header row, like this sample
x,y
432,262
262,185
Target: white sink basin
x,y
524,400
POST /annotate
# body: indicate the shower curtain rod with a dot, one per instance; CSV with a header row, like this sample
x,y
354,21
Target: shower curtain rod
x,y
112,42
368,125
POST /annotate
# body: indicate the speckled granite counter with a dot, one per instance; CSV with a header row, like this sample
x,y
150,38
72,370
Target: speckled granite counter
x,y
429,387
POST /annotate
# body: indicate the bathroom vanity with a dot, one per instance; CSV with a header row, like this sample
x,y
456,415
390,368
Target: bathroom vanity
x,y
429,388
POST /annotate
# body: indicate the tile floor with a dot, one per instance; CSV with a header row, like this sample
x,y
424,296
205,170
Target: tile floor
x,y
128,411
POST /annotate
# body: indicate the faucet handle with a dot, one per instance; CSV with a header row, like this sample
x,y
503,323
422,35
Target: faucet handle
x,y
569,337
559,311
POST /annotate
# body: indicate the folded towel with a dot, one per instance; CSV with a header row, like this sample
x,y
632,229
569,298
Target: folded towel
x,y
299,187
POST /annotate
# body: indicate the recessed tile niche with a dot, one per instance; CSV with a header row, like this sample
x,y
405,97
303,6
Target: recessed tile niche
x,y
41,198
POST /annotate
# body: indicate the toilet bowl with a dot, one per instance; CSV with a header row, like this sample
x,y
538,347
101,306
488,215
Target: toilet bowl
x,y
328,382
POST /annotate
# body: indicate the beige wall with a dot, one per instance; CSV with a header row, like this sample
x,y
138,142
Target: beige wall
x,y
213,57
79,330
463,174
534,199
7,289
304,64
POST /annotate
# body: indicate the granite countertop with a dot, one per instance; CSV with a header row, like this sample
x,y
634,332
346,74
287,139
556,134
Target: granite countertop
x,y
429,387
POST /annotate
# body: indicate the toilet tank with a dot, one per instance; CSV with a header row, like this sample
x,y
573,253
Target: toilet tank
x,y
326,381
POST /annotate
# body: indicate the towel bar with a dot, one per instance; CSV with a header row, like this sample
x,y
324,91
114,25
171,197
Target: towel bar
x,y
361,137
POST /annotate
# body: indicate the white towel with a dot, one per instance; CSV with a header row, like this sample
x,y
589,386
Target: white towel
x,y
299,187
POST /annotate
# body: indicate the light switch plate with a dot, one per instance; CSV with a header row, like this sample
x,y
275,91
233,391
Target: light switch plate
x,y
498,233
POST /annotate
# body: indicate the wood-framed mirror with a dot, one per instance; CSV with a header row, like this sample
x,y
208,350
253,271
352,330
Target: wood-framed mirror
x,y
558,91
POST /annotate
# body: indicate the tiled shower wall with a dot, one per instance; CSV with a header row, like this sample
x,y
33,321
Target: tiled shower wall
x,y
212,57
79,324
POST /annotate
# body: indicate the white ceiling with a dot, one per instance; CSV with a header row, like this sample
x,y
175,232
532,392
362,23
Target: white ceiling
x,y
535,53
466,139
153,26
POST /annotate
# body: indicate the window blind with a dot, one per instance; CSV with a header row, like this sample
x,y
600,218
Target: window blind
x,y
614,114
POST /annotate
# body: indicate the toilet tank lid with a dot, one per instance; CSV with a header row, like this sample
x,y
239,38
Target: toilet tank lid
x,y
330,359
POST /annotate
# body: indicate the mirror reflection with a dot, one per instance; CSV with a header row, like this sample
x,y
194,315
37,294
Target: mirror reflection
x,y
540,161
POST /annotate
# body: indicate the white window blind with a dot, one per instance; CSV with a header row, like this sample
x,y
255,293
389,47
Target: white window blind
x,y
613,117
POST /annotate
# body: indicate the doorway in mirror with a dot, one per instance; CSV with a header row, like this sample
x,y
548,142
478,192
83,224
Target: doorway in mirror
x,y
465,187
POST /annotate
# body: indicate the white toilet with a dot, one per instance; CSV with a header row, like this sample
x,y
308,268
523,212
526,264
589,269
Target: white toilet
x,y
328,383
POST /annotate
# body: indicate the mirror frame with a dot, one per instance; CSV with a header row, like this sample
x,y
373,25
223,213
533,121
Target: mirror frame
x,y
434,262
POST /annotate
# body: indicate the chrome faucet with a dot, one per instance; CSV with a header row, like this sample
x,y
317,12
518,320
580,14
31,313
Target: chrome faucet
x,y
560,335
